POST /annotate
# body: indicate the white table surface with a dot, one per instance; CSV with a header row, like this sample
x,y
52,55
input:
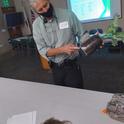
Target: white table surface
x,y
77,105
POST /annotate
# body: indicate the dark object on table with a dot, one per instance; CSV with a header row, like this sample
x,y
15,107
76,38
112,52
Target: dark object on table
x,y
91,44
94,31
115,107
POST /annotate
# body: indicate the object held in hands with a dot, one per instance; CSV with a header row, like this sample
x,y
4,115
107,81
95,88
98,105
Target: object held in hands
x,y
91,44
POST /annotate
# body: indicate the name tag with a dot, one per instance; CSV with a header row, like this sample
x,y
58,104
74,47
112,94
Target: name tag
x,y
63,25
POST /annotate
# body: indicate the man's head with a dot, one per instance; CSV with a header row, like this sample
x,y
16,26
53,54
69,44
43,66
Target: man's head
x,y
42,7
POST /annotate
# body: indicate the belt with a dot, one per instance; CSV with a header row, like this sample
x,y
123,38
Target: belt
x,y
66,62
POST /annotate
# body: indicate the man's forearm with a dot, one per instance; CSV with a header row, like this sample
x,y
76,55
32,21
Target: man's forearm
x,y
54,51
67,49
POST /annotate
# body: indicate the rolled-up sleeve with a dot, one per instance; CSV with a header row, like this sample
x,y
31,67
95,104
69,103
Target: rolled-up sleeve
x,y
40,42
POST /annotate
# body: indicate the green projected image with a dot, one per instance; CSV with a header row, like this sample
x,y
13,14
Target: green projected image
x,y
91,9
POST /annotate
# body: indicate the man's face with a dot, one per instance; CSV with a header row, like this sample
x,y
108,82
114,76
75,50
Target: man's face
x,y
41,6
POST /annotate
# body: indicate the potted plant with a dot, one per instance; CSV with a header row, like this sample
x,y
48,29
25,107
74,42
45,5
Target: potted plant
x,y
117,38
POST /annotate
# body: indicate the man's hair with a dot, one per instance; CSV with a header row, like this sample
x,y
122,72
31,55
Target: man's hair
x,y
32,1
55,121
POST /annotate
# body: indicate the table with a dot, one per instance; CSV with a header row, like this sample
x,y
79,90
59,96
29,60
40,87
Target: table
x,y
77,105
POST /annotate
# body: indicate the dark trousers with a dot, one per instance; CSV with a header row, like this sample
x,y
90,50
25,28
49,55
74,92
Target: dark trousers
x,y
67,74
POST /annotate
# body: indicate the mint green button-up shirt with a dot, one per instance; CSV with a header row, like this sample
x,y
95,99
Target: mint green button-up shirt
x,y
56,33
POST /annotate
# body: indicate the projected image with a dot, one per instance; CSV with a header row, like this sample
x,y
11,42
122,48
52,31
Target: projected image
x,y
91,9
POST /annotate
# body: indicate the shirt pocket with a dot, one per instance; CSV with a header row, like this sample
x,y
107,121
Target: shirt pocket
x,y
65,35
52,38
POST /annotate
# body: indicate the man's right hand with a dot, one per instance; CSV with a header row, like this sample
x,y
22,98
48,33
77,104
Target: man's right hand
x,y
69,49
66,49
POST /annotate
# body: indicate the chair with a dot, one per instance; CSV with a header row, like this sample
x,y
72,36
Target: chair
x,y
15,44
31,45
23,43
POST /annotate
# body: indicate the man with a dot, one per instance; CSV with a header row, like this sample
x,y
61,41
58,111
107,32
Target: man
x,y
56,33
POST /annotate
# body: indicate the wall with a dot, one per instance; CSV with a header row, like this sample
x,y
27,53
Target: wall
x,y
59,3
1,20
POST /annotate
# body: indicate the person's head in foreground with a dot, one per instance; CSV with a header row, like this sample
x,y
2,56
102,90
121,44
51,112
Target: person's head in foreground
x,y
56,121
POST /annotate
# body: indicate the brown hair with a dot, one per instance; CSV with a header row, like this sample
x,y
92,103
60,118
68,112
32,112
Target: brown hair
x,y
55,121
